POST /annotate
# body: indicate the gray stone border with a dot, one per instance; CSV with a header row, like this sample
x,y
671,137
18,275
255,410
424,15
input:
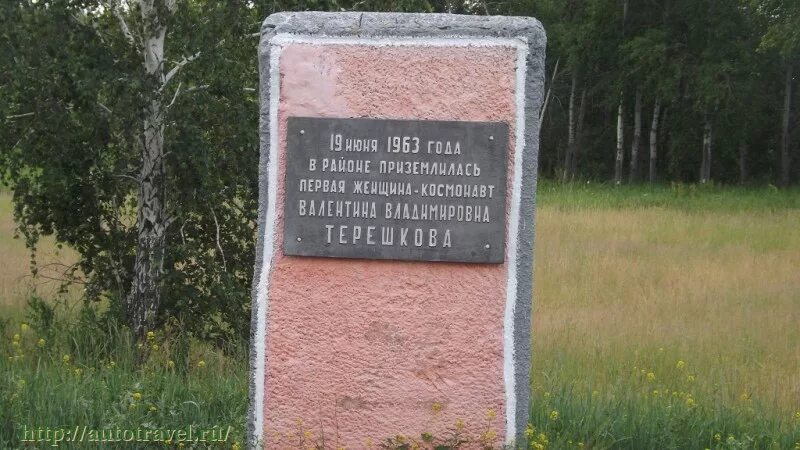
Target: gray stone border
x,y
355,24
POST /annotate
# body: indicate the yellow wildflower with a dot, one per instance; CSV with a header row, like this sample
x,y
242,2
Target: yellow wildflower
x,y
797,416
65,358
78,372
201,364
690,402
112,364
554,415
308,435
436,407
15,344
137,396
680,365
717,437
651,376
236,446
150,335
530,431
489,435
491,414
16,337
459,424
690,378
40,343
542,438
155,347
744,397
153,408
24,327
170,364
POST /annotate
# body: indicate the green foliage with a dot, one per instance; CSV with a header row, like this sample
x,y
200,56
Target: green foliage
x,y
71,150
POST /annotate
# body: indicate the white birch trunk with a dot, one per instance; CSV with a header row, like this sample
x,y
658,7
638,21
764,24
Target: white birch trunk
x,y
705,165
637,136
654,141
743,150
145,295
578,134
569,154
620,155
786,162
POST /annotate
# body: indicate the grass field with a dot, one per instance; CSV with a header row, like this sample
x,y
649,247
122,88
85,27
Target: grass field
x,y
664,318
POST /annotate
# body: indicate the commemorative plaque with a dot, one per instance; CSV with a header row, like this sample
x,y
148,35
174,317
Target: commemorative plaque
x,y
396,189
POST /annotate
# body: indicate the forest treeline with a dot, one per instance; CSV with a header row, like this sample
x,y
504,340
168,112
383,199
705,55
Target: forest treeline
x,y
129,128
670,90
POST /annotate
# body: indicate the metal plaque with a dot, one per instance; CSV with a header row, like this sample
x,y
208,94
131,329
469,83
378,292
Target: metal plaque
x,y
396,189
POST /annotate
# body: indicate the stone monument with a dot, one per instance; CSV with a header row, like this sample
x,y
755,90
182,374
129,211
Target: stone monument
x,y
393,282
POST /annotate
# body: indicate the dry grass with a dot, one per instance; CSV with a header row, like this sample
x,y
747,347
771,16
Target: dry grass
x,y
624,288
16,283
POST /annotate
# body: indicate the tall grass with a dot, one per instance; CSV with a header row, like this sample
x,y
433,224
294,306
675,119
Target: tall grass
x,y
667,318
75,376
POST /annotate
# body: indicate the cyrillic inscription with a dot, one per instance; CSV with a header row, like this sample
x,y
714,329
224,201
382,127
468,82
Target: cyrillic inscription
x,y
396,189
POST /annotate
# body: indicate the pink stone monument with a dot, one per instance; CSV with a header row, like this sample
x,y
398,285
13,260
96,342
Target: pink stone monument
x,y
393,285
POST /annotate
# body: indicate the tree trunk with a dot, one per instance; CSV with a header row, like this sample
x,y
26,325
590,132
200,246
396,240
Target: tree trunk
x,y
705,165
620,156
637,136
570,152
654,140
145,296
578,135
743,162
549,91
786,162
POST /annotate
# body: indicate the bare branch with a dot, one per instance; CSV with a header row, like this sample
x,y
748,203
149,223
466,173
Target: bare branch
x,y
122,175
175,97
116,9
20,116
105,108
178,66
224,263
549,91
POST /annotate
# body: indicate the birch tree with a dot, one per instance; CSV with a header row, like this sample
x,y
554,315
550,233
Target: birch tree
x,y
151,107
